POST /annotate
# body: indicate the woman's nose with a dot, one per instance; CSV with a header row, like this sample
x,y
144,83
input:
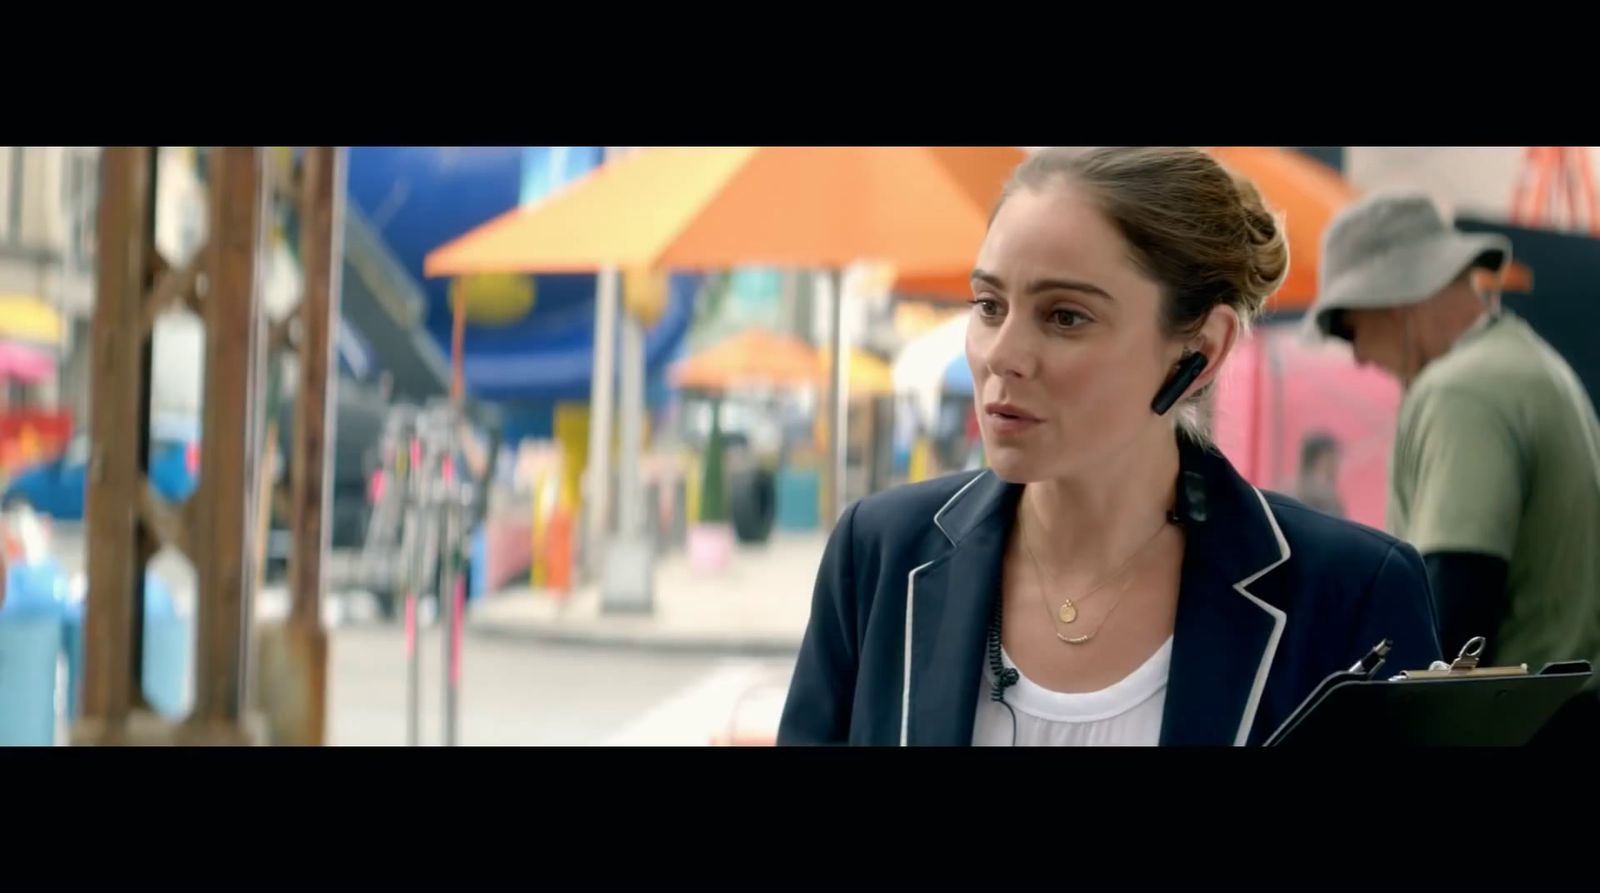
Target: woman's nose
x,y
1010,353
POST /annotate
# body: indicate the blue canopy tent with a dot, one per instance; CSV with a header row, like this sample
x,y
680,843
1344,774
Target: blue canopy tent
x,y
958,378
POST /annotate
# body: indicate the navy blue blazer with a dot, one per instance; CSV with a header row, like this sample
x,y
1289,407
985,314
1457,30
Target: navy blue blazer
x,y
1274,596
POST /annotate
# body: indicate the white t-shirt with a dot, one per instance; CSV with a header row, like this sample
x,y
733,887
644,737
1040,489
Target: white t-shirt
x,y
1127,713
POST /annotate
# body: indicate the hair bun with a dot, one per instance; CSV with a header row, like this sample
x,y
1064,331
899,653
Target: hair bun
x,y
1268,261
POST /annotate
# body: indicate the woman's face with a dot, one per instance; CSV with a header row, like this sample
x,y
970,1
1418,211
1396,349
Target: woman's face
x,y
1065,341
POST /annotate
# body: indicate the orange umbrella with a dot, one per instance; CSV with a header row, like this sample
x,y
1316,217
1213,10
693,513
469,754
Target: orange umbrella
x,y
922,209
752,357
757,357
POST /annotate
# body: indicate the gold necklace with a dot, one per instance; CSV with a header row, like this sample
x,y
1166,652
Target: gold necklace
x,y
1068,612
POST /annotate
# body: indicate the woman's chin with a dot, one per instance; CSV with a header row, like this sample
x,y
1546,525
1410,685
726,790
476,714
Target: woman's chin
x,y
1016,466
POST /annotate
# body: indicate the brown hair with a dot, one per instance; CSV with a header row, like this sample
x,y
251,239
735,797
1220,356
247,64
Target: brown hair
x,y
1204,234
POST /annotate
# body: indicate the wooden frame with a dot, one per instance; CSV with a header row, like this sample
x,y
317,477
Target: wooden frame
x,y
218,528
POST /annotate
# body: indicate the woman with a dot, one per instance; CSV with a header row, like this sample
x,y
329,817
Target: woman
x,y
1110,579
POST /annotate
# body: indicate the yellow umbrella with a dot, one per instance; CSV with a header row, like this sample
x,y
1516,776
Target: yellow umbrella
x,y
869,376
26,318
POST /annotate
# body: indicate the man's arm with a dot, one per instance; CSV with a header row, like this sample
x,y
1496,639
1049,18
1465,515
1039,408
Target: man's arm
x,y
1465,512
1470,593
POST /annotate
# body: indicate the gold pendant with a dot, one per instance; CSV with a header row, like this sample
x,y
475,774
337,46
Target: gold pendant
x,y
1068,612
1075,640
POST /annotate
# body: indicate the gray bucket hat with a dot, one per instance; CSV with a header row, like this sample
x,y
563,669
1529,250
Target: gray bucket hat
x,y
1393,250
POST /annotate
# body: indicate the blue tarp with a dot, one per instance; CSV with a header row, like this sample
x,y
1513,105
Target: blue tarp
x,y
419,198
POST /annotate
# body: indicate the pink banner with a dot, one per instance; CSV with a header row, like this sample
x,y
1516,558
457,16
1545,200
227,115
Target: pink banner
x,y
1278,389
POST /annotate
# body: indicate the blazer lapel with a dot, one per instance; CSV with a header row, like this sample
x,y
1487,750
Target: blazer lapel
x,y
1225,637
948,604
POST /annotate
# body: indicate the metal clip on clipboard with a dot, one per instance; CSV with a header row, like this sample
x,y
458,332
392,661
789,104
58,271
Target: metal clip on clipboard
x,y
1465,664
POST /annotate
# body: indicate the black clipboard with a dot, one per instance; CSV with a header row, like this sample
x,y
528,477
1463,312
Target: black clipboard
x,y
1487,707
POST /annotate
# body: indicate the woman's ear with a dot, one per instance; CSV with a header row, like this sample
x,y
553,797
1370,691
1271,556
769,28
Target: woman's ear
x,y
1216,339
1203,354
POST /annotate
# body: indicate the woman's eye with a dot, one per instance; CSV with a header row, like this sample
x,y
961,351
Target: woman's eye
x,y
1067,319
988,308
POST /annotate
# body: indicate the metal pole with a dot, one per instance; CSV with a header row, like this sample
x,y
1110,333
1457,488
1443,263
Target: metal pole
x,y
630,504
453,587
628,581
416,549
444,534
447,580
838,396
435,453
601,395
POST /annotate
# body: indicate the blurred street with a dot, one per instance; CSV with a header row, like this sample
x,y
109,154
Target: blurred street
x,y
757,604
527,693
518,689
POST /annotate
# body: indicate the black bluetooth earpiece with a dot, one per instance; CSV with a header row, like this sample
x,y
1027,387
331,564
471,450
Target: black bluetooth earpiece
x,y
1188,369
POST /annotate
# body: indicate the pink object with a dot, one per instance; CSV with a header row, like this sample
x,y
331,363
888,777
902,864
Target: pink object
x,y
456,608
510,551
25,364
710,547
1276,389
411,626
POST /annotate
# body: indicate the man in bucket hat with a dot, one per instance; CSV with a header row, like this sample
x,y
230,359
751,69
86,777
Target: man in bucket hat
x,y
1495,474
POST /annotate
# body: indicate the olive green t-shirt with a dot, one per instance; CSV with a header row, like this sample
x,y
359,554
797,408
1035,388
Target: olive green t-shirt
x,y
1497,451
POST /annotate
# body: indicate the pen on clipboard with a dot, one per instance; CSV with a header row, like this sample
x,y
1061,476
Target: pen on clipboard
x,y
1369,665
